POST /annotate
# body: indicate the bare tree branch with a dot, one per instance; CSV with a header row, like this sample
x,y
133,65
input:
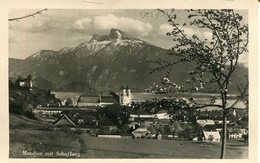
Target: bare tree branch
x,y
27,16
241,97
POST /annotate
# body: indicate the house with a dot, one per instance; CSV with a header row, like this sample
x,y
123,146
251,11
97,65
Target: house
x,y
140,132
211,136
144,116
220,121
236,134
162,116
88,101
133,125
209,131
135,117
108,136
24,83
64,121
209,128
203,123
58,109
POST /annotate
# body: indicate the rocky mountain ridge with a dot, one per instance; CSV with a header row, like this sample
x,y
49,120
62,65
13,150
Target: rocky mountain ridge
x,y
105,62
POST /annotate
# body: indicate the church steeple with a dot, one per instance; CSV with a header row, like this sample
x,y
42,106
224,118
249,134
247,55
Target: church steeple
x,y
125,96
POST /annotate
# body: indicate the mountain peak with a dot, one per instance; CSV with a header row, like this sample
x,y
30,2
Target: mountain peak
x,y
114,34
117,34
42,53
64,50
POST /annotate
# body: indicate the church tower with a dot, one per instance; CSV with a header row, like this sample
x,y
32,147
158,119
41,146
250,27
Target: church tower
x,y
125,96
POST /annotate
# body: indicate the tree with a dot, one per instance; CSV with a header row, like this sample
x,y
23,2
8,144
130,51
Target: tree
x,y
217,57
116,113
211,138
68,102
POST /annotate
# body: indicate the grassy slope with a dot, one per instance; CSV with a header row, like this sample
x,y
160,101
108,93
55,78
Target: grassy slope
x,y
29,135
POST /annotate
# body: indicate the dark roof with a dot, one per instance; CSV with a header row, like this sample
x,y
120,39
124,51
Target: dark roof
x,y
97,99
64,120
209,128
89,99
218,125
108,99
20,78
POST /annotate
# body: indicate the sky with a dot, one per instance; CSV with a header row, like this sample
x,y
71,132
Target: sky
x,y
58,28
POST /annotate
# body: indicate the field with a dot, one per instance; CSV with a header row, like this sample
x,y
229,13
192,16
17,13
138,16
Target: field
x,y
133,148
30,137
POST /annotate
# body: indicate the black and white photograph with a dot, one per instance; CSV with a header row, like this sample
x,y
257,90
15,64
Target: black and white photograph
x,y
128,83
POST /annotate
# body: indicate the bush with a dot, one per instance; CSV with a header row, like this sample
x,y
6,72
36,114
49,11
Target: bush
x,y
186,134
79,132
245,137
29,114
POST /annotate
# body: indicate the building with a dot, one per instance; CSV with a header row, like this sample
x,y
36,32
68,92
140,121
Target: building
x,y
85,101
209,130
163,116
140,133
236,133
88,101
134,117
64,96
63,121
211,136
24,83
203,123
125,96
134,125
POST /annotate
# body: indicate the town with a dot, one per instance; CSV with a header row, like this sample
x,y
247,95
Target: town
x,y
139,115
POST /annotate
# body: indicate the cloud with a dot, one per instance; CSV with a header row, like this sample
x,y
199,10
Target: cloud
x,y
164,28
106,22
127,24
201,34
85,25
41,25
82,23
